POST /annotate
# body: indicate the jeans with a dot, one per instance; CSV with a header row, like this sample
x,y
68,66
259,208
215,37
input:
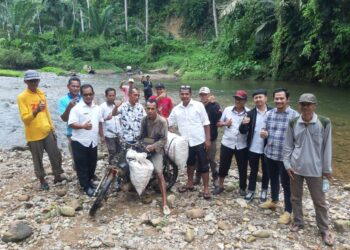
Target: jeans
x,y
276,171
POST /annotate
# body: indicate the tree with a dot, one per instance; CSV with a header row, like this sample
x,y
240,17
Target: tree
x,y
215,20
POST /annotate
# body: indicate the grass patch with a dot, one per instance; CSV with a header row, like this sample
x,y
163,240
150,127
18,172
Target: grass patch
x,y
11,73
56,70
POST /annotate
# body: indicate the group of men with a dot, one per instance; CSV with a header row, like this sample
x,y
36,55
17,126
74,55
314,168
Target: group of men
x,y
290,147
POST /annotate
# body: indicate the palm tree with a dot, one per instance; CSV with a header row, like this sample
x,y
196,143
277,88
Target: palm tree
x,y
146,29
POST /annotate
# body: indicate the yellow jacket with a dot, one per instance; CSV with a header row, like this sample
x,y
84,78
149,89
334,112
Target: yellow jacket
x,y
35,128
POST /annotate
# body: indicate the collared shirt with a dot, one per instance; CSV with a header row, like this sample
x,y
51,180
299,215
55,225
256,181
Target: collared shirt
x,y
257,144
156,130
308,147
232,138
190,120
130,119
35,127
276,124
111,128
81,114
62,106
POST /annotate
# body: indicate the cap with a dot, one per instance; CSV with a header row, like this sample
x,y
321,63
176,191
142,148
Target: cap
x,y
204,90
31,75
131,80
241,94
259,92
160,86
307,97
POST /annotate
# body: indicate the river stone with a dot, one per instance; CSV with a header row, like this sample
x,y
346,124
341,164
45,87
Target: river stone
x,y
76,204
171,200
108,242
45,229
67,211
18,231
342,225
61,192
347,187
262,234
189,236
210,217
223,225
251,239
96,244
23,197
241,202
195,213
156,221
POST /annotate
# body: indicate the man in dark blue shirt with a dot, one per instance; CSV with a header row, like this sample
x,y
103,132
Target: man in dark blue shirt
x,y
147,87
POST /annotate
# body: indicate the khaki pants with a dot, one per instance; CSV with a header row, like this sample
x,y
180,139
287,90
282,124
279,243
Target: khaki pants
x,y
314,185
37,148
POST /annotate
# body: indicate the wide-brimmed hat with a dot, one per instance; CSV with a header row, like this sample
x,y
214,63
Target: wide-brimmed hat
x,y
131,80
31,75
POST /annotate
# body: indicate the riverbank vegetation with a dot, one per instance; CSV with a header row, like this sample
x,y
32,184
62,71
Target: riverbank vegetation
x,y
307,40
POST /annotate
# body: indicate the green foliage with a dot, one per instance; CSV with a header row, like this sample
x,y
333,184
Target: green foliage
x,y
57,71
11,73
16,59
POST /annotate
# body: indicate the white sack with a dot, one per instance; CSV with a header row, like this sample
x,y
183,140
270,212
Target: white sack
x,y
177,149
141,169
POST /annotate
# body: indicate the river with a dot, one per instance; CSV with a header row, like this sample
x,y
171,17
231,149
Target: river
x,y
333,103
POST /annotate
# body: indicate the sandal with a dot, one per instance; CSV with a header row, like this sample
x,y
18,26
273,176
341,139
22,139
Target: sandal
x,y
184,189
327,238
166,210
206,196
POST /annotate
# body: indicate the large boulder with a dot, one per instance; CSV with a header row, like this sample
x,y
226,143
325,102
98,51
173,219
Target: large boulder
x,y
18,231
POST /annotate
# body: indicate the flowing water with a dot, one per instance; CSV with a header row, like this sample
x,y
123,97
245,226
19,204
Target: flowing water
x,y
333,103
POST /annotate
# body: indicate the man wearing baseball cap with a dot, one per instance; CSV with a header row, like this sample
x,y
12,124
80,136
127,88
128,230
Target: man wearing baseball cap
x,y
214,113
307,155
39,129
233,143
165,103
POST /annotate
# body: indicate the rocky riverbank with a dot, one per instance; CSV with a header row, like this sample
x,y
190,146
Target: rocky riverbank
x,y
58,218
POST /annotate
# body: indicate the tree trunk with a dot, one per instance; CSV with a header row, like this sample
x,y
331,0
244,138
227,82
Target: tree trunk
x,y
73,10
88,11
39,23
146,30
82,21
215,20
126,14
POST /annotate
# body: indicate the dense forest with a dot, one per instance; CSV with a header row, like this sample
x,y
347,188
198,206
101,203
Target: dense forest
x,y
302,40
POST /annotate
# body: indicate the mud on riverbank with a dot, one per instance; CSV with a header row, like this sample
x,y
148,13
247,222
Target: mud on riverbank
x,y
125,222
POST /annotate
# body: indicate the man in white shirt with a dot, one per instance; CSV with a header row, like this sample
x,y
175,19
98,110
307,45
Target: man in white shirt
x,y
111,124
233,143
193,123
84,119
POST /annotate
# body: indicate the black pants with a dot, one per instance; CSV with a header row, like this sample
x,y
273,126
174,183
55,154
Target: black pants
x,y
276,171
85,159
241,156
253,159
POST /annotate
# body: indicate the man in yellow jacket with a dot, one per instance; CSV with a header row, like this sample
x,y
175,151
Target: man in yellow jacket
x,y
39,129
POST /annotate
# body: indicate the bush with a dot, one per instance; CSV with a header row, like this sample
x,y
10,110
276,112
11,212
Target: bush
x,y
57,71
11,73
16,59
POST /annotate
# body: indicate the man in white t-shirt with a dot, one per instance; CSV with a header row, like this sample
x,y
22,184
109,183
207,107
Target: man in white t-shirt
x,y
111,124
193,123
85,120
